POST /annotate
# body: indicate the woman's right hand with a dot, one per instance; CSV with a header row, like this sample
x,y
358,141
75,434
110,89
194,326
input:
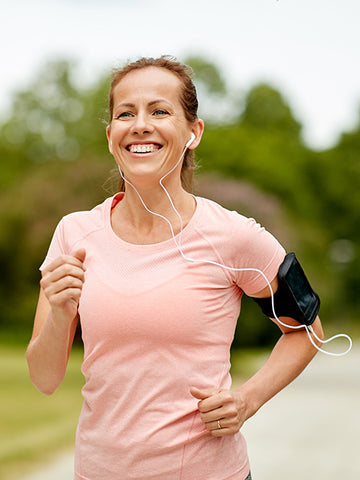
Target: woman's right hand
x,y
62,283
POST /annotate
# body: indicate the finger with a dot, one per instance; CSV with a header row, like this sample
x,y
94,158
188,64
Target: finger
x,y
64,269
224,422
224,409
66,283
64,260
204,393
223,432
217,424
212,403
211,415
62,298
224,427
60,292
65,274
80,254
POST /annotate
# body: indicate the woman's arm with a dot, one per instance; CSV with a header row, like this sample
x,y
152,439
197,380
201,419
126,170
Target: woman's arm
x,y
290,356
55,321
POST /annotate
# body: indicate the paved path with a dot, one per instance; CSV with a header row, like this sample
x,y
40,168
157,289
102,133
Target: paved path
x,y
310,431
61,469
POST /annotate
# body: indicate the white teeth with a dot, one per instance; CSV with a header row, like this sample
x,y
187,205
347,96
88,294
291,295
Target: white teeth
x,y
143,148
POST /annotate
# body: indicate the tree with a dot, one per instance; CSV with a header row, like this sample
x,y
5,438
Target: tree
x,y
51,163
55,161
266,109
218,104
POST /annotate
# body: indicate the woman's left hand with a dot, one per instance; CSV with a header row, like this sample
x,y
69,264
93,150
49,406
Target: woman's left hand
x,y
222,411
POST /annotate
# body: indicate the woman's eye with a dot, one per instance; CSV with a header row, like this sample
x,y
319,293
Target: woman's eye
x,y
125,115
160,112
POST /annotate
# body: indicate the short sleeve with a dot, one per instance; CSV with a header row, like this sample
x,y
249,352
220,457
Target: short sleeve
x,y
57,246
260,255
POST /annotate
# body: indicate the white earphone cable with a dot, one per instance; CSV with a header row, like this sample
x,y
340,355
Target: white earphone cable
x,y
309,330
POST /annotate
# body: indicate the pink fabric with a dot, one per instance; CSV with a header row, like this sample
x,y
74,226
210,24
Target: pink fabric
x,y
154,325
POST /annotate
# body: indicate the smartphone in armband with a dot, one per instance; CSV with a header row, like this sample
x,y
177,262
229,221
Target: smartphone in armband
x,y
293,280
294,297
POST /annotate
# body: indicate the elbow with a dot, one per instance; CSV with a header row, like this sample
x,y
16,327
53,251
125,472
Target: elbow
x,y
45,382
44,385
45,389
318,330
315,336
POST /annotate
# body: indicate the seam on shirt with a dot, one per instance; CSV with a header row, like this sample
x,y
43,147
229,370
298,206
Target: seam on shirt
x,y
95,230
185,444
219,259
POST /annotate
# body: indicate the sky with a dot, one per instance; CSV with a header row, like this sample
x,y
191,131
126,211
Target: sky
x,y
307,49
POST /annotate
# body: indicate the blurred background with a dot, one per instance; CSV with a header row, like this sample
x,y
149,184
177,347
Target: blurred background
x,y
279,90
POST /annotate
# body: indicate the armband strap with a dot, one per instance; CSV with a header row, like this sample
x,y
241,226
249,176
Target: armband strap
x,y
294,297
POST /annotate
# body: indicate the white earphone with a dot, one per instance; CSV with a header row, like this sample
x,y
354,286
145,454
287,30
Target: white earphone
x,y
192,138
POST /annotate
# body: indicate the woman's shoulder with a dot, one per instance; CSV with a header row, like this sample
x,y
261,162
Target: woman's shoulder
x,y
215,213
87,220
231,226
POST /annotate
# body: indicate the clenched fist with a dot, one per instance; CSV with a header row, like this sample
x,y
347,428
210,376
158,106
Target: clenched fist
x,y
62,282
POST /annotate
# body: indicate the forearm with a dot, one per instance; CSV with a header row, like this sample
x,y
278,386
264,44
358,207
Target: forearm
x,y
55,321
290,356
48,353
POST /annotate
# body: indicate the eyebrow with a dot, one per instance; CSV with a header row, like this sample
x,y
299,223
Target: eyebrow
x,y
153,102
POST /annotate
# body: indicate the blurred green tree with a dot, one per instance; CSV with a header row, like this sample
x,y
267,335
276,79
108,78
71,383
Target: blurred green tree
x,y
265,146
54,154
336,179
55,160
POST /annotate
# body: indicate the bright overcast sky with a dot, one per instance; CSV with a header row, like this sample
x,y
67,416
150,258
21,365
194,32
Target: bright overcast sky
x,y
308,49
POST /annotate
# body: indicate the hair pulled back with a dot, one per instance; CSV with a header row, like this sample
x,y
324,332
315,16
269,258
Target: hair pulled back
x,y
188,100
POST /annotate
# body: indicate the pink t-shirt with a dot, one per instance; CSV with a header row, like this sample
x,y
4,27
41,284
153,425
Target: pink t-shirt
x,y
153,325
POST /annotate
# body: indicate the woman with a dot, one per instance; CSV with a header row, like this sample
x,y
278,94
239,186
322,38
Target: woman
x,y
155,275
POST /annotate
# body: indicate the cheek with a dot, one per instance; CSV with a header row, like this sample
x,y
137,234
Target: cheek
x,y
115,138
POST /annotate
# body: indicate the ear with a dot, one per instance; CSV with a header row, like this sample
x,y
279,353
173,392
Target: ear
x,y
108,135
197,129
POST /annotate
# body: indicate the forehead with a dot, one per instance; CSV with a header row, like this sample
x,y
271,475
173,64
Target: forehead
x,y
148,82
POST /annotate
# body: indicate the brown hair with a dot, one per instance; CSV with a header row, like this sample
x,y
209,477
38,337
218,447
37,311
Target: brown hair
x,y
188,101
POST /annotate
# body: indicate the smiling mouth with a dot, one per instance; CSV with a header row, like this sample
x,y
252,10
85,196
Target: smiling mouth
x,y
143,147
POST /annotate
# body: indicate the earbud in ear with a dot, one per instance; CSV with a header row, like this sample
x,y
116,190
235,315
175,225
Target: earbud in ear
x,y
192,138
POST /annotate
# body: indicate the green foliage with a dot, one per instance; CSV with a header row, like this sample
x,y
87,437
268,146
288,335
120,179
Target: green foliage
x,y
55,160
337,176
53,120
207,75
265,109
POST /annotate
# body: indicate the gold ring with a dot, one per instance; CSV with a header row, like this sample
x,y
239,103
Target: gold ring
x,y
219,424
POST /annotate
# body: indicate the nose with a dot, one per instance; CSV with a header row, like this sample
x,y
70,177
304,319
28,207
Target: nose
x,y
142,124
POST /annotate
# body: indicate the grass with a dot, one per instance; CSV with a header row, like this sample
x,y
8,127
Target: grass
x,y
34,426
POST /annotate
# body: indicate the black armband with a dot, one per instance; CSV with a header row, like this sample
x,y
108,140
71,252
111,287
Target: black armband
x,y
294,297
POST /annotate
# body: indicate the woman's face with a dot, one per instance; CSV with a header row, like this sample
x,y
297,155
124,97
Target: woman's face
x,y
148,130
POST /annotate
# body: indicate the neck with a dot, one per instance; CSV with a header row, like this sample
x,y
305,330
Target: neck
x,y
145,227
